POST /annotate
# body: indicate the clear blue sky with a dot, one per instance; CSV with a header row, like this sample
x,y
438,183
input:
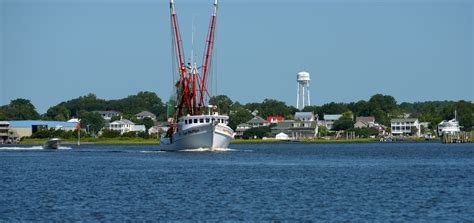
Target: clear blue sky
x,y
414,50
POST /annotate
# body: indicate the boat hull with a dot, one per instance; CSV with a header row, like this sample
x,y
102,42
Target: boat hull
x,y
208,136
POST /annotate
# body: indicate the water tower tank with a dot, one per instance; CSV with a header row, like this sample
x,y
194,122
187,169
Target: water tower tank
x,y
303,77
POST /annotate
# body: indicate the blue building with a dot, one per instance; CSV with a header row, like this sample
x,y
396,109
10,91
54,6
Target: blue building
x,y
28,127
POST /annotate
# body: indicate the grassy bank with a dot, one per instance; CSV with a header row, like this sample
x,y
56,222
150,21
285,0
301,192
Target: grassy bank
x,y
97,141
304,141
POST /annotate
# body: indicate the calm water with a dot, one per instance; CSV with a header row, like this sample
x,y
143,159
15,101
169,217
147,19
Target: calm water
x,y
404,181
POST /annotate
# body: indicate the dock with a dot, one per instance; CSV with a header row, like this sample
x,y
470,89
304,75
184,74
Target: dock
x,y
461,137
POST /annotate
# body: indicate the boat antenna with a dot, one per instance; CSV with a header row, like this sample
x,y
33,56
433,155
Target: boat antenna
x,y
193,52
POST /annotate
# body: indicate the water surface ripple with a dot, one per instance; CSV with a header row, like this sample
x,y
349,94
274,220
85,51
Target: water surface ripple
x,y
288,181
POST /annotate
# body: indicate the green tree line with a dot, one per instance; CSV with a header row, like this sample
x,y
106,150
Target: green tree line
x,y
382,107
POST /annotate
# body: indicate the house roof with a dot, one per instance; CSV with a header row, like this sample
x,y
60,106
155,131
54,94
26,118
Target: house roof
x,y
108,112
243,125
256,120
279,118
123,121
288,124
146,113
304,115
332,117
404,120
50,124
285,124
365,119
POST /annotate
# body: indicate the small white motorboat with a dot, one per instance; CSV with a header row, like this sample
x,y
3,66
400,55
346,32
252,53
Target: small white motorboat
x,y
52,143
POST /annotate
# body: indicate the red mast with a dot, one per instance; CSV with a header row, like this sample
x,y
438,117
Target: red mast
x,y
208,50
190,82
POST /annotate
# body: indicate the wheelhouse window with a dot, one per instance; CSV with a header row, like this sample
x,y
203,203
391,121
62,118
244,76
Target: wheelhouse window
x,y
201,120
207,120
185,121
195,120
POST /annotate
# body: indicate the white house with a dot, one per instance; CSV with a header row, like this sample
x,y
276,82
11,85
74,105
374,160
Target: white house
x,y
107,115
329,120
241,128
403,126
159,127
122,126
305,126
257,121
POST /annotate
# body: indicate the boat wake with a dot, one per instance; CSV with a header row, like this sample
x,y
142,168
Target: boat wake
x,y
65,147
19,148
209,150
152,151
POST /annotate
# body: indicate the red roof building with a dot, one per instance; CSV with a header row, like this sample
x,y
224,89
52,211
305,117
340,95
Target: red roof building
x,y
274,119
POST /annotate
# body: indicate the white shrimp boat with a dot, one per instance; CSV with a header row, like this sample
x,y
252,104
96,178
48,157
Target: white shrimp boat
x,y
199,131
194,125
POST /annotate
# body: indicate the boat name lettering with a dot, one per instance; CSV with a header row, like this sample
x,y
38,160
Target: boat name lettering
x,y
190,131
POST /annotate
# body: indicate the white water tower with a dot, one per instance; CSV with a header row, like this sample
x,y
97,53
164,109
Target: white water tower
x,y
303,88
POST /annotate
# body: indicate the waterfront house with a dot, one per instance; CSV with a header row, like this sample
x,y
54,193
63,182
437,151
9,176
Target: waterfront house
x,y
254,122
241,128
304,116
145,114
364,122
404,126
329,119
159,127
305,126
107,115
122,126
257,121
